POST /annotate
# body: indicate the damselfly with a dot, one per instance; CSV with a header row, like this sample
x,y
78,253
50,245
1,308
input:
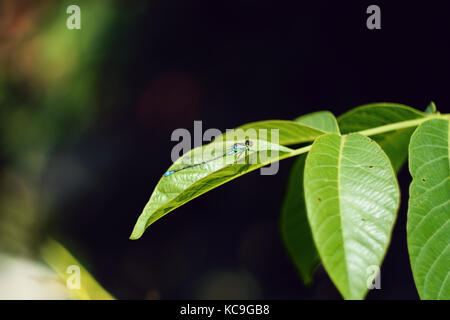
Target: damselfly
x,y
237,149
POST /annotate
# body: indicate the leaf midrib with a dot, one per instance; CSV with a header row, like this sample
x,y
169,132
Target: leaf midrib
x,y
341,148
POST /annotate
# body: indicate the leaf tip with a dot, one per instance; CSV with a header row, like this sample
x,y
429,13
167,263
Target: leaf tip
x,y
136,233
134,237
431,108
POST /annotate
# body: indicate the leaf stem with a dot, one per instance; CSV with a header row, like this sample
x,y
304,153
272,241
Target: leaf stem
x,y
378,130
400,125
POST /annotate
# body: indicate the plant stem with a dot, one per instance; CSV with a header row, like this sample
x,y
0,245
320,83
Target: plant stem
x,y
378,130
400,125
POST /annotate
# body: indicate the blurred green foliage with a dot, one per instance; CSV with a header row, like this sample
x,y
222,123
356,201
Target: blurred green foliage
x,y
49,78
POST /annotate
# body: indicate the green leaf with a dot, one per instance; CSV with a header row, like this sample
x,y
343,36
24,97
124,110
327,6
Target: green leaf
x,y
431,108
178,188
428,226
394,143
295,229
294,225
59,259
289,132
352,198
322,120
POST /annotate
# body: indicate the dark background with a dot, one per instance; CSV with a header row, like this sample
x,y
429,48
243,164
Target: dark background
x,y
164,64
